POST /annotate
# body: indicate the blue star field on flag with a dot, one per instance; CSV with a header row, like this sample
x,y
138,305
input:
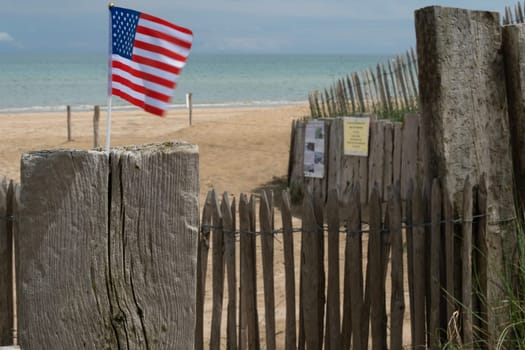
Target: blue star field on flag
x,y
124,26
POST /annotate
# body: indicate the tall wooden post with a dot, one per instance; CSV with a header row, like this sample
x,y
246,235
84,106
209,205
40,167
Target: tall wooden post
x,y
69,123
107,258
464,111
96,119
514,53
6,266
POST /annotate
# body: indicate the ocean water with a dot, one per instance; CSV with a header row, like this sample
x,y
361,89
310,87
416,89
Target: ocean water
x,y
39,83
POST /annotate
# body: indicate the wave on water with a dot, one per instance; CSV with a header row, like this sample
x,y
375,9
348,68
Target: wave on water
x,y
86,108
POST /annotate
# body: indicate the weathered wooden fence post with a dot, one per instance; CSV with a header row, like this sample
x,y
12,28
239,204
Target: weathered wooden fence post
x,y
69,138
107,250
464,111
514,54
96,119
6,266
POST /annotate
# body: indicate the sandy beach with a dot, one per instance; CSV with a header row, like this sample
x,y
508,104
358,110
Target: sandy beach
x,y
240,148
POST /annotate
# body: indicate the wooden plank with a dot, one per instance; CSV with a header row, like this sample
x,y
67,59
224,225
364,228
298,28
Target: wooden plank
x,y
402,82
435,265
244,224
333,313
353,281
297,174
69,136
96,122
254,333
267,251
377,95
289,270
341,98
409,152
414,60
387,88
6,261
364,182
481,252
412,67
318,204
375,264
328,103
396,153
302,339
466,255
381,88
309,272
410,256
202,266
217,273
15,230
396,101
388,166
406,81
351,93
369,97
427,194
334,154
450,255
248,318
375,158
365,320
359,89
397,306
293,150
349,172
418,247
47,259
385,258
422,169
229,260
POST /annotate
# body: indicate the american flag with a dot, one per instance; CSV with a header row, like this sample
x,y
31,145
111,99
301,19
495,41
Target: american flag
x,y
147,56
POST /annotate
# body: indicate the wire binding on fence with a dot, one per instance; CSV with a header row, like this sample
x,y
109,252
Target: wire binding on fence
x,y
384,228
8,218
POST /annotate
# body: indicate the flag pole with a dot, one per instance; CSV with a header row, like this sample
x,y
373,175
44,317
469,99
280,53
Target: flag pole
x,y
108,118
108,125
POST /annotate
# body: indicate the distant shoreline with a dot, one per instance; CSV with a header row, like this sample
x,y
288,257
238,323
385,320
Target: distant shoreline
x,y
87,108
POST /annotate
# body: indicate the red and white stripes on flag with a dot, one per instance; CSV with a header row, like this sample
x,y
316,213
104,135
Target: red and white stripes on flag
x,y
147,56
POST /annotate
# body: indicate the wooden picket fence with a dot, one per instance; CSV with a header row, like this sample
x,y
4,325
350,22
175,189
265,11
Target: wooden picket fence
x,y
389,90
427,253
518,17
397,153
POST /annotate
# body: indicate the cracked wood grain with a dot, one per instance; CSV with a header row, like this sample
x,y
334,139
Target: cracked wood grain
x,y
108,248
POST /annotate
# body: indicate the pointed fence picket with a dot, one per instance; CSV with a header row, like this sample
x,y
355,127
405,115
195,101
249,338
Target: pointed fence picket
x,y
390,90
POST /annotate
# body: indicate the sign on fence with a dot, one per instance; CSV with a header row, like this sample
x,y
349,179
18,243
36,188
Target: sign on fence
x,y
356,136
314,149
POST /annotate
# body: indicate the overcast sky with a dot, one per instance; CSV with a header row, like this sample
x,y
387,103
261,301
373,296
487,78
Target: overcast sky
x,y
224,26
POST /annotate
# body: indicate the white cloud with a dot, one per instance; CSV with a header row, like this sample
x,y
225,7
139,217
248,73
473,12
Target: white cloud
x,y
5,37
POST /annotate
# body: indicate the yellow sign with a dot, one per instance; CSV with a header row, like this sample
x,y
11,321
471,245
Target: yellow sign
x,y
356,133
